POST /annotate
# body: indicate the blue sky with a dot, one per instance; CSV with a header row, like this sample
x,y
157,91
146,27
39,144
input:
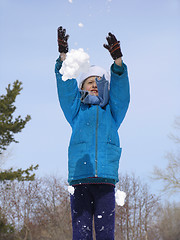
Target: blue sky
x,y
149,33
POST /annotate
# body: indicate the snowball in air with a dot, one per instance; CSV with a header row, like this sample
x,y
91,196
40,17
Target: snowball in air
x,y
120,197
71,190
76,62
81,25
70,1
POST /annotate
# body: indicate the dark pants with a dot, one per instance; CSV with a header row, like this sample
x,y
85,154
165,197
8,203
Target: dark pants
x,y
90,200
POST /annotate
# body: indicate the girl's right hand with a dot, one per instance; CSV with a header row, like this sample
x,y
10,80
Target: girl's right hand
x,y
62,40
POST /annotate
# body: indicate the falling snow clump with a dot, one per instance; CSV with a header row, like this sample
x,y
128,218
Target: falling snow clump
x,y
76,62
120,197
71,190
81,25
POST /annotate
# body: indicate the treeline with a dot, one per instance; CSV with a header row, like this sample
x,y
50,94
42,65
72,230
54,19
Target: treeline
x,y
40,210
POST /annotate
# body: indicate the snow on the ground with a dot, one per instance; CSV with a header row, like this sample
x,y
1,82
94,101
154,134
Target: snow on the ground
x,y
76,62
120,197
71,190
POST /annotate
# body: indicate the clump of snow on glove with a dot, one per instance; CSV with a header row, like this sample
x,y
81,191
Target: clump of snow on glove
x,y
120,197
76,62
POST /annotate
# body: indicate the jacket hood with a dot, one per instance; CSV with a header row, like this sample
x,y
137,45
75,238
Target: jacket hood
x,y
93,71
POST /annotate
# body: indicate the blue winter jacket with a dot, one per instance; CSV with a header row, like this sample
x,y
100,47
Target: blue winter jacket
x,y
94,149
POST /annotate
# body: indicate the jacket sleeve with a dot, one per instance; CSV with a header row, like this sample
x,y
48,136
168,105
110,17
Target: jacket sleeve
x,y
68,93
119,93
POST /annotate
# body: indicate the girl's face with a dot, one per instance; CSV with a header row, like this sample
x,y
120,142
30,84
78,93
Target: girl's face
x,y
91,86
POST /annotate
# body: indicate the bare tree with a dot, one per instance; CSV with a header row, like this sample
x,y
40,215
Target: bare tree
x,y
135,219
40,210
169,222
170,176
52,214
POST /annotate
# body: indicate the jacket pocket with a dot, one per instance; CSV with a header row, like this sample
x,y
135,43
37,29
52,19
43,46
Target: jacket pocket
x,y
110,162
75,152
113,153
79,161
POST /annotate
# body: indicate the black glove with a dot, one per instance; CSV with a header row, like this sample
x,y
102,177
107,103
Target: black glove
x,y
62,40
113,46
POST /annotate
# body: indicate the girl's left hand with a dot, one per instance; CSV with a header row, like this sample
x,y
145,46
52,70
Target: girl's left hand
x,y
113,46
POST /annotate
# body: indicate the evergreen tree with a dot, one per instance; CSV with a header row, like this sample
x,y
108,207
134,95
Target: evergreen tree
x,y
9,126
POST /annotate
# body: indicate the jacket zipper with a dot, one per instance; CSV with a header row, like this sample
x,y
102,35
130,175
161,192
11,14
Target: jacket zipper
x,y
96,146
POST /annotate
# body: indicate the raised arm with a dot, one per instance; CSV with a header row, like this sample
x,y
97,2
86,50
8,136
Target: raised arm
x,y
119,85
68,92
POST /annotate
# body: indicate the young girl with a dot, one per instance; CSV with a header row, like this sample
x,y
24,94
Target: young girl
x,y
95,110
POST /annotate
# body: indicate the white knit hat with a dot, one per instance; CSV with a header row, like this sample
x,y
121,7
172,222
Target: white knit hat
x,y
93,71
